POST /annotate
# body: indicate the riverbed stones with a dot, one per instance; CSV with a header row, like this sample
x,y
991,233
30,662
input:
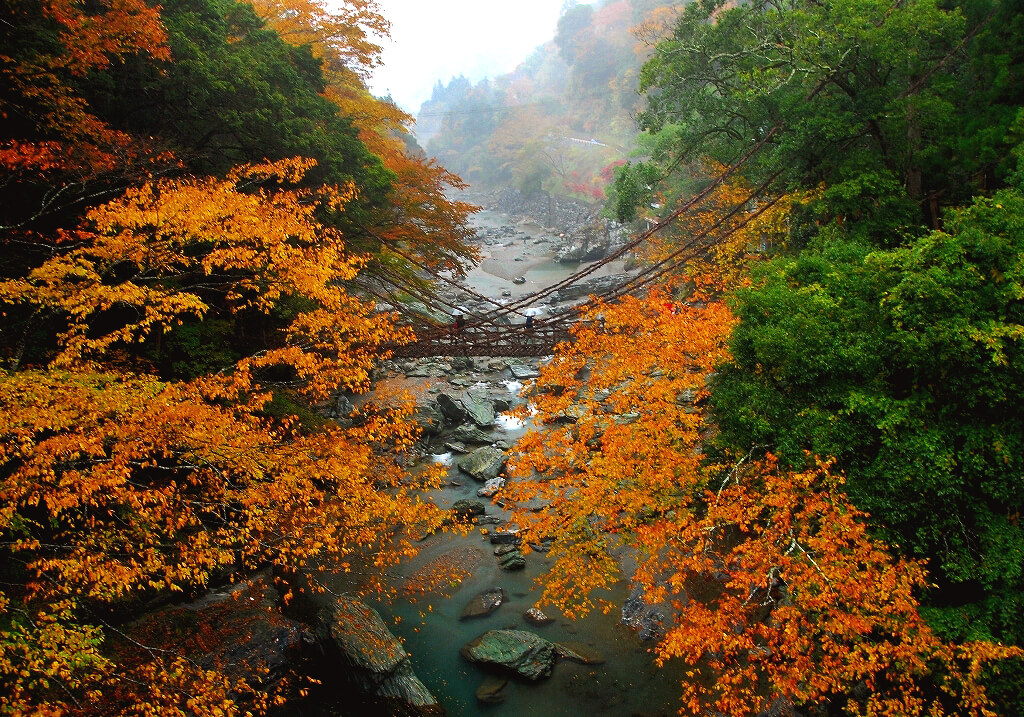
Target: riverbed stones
x,y
517,651
490,690
535,616
521,371
470,435
512,561
484,604
467,508
506,535
504,550
479,408
646,619
456,447
429,419
451,408
490,488
483,464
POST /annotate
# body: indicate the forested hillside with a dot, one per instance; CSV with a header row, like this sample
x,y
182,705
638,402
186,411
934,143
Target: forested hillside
x,y
563,119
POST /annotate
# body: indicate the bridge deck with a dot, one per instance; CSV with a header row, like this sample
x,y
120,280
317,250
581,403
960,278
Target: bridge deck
x,y
484,340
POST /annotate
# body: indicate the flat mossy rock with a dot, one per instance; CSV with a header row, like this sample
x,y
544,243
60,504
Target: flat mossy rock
x,y
483,464
466,508
479,408
512,561
517,651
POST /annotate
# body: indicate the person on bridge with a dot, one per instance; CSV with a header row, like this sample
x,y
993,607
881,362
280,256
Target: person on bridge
x,y
457,325
529,321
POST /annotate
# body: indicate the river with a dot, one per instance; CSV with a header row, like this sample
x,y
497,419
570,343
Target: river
x,y
628,683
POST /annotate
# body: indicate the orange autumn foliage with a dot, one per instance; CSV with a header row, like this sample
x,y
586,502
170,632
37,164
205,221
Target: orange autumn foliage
x,y
421,218
40,86
736,224
775,587
118,485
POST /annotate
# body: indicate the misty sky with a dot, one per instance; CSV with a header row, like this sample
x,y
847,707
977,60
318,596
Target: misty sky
x,y
434,40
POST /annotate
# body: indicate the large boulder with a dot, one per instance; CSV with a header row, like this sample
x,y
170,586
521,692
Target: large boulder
x,y
517,651
452,408
479,408
359,646
483,464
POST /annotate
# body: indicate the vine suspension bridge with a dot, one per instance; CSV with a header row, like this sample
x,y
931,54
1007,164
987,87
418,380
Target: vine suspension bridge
x,y
503,331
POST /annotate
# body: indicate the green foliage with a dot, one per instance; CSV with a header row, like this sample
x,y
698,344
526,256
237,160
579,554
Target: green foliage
x,y
882,103
571,26
235,92
906,365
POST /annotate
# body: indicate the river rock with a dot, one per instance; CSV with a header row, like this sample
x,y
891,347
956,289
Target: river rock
x,y
467,508
491,488
429,419
490,690
451,408
519,280
479,408
359,646
343,406
470,434
456,447
645,619
513,561
506,535
577,652
504,550
483,464
535,616
517,651
484,604
521,371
